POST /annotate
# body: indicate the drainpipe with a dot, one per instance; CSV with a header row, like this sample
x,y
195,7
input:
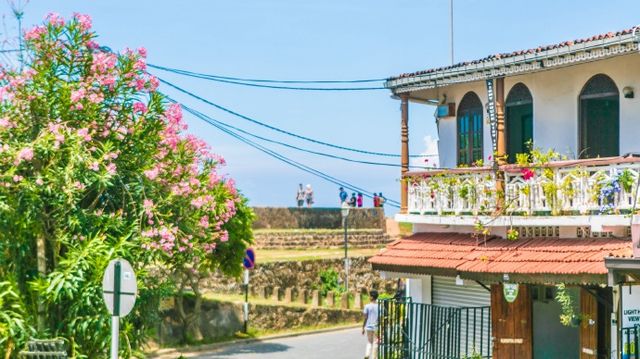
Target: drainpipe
x,y
501,146
404,153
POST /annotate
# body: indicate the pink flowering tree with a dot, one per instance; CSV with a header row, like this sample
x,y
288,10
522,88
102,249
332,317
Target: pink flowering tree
x,y
95,164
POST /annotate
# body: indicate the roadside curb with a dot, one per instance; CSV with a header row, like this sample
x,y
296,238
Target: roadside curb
x,y
165,352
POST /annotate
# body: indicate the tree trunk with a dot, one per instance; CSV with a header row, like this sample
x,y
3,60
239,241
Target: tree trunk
x,y
193,320
42,271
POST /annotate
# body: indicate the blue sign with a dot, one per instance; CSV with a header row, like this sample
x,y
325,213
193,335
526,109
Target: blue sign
x,y
249,261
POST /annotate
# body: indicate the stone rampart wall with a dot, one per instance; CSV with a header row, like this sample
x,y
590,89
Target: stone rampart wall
x,y
318,238
314,218
302,275
222,319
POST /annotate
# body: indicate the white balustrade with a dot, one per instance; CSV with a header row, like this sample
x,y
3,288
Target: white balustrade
x,y
552,190
449,193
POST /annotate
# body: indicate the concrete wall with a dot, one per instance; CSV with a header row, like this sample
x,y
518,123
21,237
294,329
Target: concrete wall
x,y
555,106
316,218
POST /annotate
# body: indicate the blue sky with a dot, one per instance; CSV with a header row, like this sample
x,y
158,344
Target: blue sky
x,y
329,39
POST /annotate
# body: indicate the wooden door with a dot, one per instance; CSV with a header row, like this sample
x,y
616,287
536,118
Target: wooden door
x,y
511,324
589,325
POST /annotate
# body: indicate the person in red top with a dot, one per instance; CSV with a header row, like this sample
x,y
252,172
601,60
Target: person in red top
x,y
376,200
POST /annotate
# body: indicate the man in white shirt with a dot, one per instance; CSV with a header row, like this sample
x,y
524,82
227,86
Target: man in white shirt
x,y
370,325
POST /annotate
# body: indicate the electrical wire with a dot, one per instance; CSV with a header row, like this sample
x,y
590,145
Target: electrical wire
x,y
287,160
280,157
276,87
311,151
186,72
247,118
283,158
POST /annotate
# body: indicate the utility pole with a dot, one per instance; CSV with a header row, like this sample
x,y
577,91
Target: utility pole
x,y
18,11
451,28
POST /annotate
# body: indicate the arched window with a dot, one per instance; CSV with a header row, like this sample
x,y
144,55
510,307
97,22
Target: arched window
x,y
518,121
599,123
469,129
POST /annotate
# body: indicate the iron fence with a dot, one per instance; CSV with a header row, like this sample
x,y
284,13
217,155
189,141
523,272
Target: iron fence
x,y
410,330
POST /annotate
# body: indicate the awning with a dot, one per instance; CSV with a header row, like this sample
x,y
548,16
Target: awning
x,y
527,260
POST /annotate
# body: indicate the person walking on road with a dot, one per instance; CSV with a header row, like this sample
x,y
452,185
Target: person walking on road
x,y
309,196
300,196
370,325
343,195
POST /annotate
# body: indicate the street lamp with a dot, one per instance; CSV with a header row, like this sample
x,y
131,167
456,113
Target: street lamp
x,y
345,213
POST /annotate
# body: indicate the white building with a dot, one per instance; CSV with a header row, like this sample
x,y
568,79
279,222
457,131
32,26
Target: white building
x,y
492,232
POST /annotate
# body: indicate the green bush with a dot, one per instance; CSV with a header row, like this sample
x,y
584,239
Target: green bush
x,y
330,282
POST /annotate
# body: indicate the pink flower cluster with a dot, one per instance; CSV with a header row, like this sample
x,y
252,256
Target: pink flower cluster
x,y
527,174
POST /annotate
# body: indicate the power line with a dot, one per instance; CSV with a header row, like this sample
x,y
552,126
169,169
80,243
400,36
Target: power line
x,y
187,72
253,84
280,157
247,118
311,151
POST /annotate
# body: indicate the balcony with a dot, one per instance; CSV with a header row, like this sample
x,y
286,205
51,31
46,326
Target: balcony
x,y
554,193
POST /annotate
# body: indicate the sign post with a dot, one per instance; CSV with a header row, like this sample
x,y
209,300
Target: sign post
x,y
119,291
249,262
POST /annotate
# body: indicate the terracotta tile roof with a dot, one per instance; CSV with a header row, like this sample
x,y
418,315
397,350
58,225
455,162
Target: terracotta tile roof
x,y
504,55
461,253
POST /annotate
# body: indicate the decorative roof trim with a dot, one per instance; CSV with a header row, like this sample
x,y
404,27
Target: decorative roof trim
x,y
521,62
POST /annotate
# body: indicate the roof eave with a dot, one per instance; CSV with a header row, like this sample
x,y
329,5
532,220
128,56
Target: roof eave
x,y
487,277
519,64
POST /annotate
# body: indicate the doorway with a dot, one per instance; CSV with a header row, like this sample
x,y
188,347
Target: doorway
x,y
551,339
599,118
518,121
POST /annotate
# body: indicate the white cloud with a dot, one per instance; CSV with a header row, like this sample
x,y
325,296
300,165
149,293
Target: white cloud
x,y
431,151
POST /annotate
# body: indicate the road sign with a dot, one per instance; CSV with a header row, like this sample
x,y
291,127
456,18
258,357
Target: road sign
x,y
119,287
119,290
249,261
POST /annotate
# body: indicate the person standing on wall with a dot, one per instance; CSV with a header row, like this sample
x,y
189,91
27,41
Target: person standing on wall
x,y
309,196
381,200
300,196
376,200
352,200
370,325
343,195
359,200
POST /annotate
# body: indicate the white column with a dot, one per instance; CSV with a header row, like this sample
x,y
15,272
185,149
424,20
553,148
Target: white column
x,y
419,289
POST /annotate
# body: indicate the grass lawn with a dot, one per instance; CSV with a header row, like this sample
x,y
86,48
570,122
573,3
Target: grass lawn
x,y
279,255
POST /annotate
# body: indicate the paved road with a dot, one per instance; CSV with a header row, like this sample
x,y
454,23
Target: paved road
x,y
343,344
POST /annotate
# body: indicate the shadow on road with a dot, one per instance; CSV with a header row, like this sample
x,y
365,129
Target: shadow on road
x,y
257,348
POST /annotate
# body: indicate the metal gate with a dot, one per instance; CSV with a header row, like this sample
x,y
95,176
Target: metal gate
x,y
410,330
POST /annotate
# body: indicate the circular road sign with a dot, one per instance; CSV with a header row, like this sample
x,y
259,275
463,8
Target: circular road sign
x,y
119,287
249,261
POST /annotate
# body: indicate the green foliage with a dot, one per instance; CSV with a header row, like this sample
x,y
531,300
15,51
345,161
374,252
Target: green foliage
x,y
95,165
512,234
626,180
568,317
330,282
14,321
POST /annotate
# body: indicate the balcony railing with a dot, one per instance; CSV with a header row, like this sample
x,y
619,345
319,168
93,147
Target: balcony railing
x,y
580,187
